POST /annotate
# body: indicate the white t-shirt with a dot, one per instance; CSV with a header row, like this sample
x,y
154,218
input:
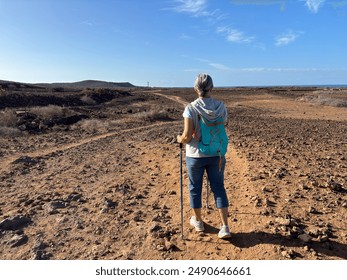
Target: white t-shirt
x,y
209,108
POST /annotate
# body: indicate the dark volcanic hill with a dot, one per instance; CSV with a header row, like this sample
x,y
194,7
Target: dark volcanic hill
x,y
89,84
81,84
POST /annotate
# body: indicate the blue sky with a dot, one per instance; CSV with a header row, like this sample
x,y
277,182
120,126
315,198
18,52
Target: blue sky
x,y
168,42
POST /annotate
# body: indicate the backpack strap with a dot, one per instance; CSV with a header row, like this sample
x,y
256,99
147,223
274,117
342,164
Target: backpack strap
x,y
210,124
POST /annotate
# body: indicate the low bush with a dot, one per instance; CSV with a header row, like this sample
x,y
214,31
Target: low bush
x,y
8,118
91,125
50,111
9,131
152,115
88,100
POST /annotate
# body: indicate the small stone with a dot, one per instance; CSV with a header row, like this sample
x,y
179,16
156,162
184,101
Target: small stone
x,y
155,227
14,223
17,240
110,204
304,187
170,246
284,254
305,237
282,221
312,210
266,189
323,238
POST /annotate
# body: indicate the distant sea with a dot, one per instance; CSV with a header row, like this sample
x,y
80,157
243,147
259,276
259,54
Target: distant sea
x,y
328,86
309,86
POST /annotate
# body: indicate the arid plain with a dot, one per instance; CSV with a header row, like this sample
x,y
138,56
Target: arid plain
x,y
93,173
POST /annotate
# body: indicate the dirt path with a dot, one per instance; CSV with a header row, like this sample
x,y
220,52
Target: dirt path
x,y
236,183
177,99
43,152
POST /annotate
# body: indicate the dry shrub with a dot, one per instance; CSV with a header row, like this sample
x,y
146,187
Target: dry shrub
x,y
113,102
88,100
50,111
323,100
8,118
3,92
9,131
152,115
91,125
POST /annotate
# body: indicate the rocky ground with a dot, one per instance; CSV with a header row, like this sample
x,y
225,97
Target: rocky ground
x,y
94,174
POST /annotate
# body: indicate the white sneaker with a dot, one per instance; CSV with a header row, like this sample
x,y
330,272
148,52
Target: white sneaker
x,y
199,225
224,232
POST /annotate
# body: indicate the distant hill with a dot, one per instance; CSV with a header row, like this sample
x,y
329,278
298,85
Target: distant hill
x,y
81,84
88,84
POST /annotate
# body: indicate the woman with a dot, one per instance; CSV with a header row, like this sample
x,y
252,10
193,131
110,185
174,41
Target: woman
x,y
197,162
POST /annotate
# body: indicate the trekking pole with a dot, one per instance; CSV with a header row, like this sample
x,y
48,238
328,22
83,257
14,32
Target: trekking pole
x,y
181,190
207,192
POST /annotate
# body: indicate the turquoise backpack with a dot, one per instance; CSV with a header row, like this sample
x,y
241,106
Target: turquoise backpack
x,y
214,140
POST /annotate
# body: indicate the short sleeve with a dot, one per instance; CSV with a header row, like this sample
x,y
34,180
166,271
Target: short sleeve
x,y
187,113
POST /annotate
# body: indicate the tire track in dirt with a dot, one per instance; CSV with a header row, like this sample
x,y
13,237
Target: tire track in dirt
x,y
177,99
6,161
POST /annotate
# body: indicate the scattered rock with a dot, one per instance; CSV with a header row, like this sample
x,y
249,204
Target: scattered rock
x,y
39,253
282,221
313,210
15,223
109,203
155,227
26,160
334,186
17,240
323,238
305,237
304,187
290,254
266,189
280,173
52,207
171,246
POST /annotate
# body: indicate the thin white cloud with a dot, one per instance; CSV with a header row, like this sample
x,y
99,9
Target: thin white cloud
x,y
234,35
257,2
266,69
87,22
193,7
286,38
282,3
198,8
185,36
202,60
339,4
219,66
314,5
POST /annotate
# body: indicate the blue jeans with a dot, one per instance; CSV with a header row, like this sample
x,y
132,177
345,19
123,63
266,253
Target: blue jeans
x,y
196,168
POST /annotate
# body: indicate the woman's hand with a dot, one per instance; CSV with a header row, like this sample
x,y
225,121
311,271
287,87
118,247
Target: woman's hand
x,y
187,132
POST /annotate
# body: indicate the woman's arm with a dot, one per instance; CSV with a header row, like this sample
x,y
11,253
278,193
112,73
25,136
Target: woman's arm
x,y
187,132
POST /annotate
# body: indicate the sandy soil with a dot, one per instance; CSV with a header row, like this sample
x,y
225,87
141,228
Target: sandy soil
x,y
108,187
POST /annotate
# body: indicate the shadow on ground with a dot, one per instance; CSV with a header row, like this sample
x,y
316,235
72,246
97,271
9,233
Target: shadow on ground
x,y
250,239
